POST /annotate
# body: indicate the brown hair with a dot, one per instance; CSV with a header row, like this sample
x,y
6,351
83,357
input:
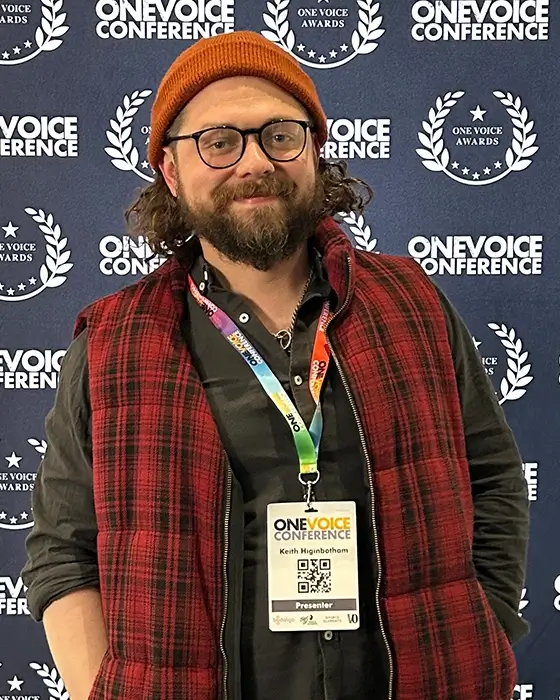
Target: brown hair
x,y
157,216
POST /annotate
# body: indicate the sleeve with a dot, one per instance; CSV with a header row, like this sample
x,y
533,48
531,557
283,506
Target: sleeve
x,y
61,546
499,488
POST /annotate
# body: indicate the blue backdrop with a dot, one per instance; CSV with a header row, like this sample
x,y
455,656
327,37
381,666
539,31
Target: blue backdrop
x,y
448,109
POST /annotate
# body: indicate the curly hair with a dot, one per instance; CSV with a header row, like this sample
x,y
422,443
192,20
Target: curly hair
x,y
158,217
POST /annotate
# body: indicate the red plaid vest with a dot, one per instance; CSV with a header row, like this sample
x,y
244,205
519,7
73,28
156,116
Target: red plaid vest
x,y
160,479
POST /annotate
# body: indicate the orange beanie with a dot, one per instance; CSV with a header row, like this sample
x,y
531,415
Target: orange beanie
x,y
224,56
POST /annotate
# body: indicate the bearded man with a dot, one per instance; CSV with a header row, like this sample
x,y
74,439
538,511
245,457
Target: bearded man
x,y
275,466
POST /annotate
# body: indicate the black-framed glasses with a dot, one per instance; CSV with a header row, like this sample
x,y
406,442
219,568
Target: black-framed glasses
x,y
223,146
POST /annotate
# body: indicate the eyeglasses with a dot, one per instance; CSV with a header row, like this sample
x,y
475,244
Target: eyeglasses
x,y
223,146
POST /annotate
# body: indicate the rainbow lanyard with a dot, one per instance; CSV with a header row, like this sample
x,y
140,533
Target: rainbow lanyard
x,y
306,441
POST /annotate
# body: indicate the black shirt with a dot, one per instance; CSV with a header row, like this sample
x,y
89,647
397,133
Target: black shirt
x,y
342,665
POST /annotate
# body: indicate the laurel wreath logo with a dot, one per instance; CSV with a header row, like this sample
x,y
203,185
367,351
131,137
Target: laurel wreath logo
x,y
51,680
363,38
361,232
124,155
56,265
435,156
39,445
517,375
47,36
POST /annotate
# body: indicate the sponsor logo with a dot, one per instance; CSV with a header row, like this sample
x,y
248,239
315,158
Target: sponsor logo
x,y
16,483
523,692
31,136
557,590
480,20
34,27
127,256
319,35
517,377
358,138
523,603
482,151
164,19
46,683
126,132
361,232
530,471
30,369
12,596
17,252
481,255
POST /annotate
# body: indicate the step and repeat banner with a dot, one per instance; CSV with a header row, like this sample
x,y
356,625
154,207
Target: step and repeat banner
x,y
448,108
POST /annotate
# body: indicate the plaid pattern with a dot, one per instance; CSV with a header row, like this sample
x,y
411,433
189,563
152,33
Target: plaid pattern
x,y
160,487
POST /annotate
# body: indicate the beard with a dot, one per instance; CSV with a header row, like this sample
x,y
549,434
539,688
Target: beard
x,y
264,234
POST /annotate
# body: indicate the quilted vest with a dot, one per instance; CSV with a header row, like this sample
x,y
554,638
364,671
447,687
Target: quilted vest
x,y
160,487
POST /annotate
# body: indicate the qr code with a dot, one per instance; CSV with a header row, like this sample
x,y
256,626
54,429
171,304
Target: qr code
x,y
314,575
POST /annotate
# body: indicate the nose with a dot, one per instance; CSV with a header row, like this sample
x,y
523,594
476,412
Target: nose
x,y
254,160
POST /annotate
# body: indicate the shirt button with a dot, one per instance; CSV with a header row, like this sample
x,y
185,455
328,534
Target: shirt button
x,y
328,635
298,380
243,318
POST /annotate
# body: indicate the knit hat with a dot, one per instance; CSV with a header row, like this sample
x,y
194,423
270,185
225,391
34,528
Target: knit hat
x,y
224,56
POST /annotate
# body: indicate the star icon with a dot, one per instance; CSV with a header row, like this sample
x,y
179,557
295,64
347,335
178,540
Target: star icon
x,y
10,230
3,515
322,59
465,171
13,521
476,176
478,113
497,165
301,47
16,50
32,280
1,287
454,165
145,164
21,287
13,460
28,44
311,54
476,342
11,291
5,55
487,171
333,54
343,47
23,515
15,683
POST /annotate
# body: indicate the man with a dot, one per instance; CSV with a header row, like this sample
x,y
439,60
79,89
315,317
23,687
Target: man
x,y
266,382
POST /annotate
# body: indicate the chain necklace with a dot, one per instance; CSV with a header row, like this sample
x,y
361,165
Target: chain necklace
x,y
284,336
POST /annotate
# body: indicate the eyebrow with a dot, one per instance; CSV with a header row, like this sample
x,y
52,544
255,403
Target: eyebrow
x,y
217,125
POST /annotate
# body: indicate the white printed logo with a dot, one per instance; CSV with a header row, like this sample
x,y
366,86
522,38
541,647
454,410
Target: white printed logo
x,y
523,692
333,23
12,596
523,603
20,17
30,369
122,151
482,255
358,138
480,20
14,479
361,232
31,136
517,374
127,256
14,283
164,19
530,471
557,589
478,152
51,681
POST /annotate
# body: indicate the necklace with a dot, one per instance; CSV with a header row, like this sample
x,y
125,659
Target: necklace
x,y
284,336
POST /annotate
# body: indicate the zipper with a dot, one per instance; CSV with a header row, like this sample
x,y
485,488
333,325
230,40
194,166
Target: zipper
x,y
225,579
370,478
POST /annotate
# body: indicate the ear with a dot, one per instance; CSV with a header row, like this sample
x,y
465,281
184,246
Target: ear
x,y
168,169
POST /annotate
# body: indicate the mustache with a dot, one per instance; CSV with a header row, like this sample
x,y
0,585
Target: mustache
x,y
265,188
